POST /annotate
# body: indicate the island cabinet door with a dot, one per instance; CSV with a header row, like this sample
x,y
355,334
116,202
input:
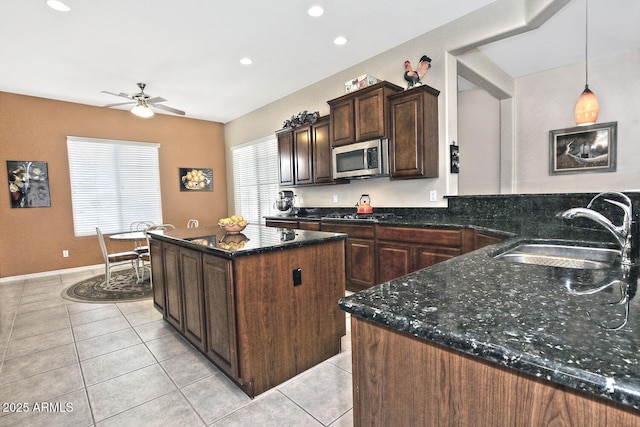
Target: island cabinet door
x,y
360,270
220,313
173,289
157,274
193,296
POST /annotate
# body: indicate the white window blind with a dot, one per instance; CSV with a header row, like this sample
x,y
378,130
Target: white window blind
x,y
255,176
113,183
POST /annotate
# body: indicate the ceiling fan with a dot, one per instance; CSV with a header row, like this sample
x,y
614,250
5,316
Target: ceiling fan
x,y
143,103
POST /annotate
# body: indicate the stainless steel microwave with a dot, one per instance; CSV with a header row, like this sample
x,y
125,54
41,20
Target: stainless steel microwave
x,y
361,159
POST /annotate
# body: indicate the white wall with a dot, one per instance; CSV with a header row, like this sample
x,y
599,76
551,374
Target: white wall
x,y
448,46
479,140
545,101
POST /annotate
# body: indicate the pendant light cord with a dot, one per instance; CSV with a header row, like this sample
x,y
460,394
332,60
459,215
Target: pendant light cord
x,y
586,43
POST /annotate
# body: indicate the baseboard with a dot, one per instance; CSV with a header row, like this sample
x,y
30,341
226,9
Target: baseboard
x,y
49,273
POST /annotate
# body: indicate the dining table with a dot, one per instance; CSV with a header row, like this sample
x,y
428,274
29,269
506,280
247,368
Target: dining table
x,y
131,236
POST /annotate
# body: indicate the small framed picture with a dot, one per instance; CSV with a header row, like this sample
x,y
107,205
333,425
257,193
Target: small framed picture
x,y
583,149
28,184
196,179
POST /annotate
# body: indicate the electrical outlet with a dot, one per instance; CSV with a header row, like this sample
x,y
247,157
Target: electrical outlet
x,y
297,277
65,254
300,200
433,196
335,198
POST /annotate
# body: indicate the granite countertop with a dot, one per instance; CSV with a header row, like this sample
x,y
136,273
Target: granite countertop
x,y
540,320
253,239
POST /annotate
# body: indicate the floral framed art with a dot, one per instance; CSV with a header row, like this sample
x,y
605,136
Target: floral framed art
x,y
579,149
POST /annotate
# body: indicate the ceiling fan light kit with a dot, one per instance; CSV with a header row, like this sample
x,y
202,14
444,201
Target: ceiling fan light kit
x,y
143,103
142,110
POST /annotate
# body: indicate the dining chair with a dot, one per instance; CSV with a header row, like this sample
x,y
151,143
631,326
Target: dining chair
x,y
117,259
140,245
193,223
145,257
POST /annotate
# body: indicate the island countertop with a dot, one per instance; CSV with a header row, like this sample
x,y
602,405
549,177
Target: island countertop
x,y
253,239
540,320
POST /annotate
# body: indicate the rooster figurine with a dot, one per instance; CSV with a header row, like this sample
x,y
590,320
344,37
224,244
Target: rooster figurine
x,y
414,77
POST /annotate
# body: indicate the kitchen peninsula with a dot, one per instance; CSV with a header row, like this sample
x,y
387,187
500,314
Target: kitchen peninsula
x,y
262,305
479,341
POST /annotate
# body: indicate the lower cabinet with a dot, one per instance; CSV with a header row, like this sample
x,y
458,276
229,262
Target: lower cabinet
x,y
157,275
402,250
219,303
193,296
172,285
247,315
360,269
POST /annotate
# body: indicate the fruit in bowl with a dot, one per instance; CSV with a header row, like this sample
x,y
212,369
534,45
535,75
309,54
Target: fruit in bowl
x,y
233,224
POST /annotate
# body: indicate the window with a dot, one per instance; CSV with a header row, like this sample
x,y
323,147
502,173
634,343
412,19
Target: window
x,y
255,176
113,183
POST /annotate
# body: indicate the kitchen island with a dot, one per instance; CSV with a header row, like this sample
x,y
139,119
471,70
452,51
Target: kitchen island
x,y
262,305
477,341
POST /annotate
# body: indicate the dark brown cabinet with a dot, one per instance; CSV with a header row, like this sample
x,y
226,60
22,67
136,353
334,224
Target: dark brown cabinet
x,y
220,319
246,314
360,258
192,296
285,157
413,145
322,160
157,275
402,250
361,115
304,154
172,286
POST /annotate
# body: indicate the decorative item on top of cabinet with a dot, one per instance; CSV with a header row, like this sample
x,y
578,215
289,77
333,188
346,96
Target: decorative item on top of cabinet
x,y
413,146
361,115
304,154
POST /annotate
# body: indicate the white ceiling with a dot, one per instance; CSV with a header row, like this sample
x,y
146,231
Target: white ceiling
x,y
188,51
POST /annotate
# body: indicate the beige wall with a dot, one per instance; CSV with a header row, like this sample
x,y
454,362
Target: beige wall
x,y
36,129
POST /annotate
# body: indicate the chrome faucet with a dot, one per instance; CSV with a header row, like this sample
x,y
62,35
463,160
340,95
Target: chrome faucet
x,y
622,232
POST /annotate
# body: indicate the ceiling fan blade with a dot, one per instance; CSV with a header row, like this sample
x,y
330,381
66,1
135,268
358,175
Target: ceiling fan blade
x,y
123,95
169,109
119,103
155,99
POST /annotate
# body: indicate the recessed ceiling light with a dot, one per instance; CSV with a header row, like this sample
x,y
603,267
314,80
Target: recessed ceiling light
x,y
58,5
246,61
315,11
340,40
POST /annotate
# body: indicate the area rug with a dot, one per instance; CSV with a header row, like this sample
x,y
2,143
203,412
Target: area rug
x,y
124,288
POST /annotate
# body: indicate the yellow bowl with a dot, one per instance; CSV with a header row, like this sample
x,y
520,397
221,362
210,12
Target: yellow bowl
x,y
232,228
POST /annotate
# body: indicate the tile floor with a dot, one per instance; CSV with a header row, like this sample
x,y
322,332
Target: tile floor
x,y
78,364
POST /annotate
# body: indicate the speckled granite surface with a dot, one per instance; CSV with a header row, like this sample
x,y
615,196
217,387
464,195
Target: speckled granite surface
x,y
531,318
253,239
550,322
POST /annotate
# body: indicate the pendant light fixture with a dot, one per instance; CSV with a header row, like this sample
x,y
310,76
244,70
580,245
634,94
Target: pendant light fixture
x,y
587,108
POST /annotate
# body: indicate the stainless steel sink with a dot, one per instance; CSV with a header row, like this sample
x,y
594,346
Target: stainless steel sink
x,y
560,255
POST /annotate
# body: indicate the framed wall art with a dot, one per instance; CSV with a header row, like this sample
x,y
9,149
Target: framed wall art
x,y
196,179
583,149
28,184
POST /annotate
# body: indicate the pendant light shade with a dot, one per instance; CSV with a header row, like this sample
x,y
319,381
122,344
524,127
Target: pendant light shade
x,y
587,108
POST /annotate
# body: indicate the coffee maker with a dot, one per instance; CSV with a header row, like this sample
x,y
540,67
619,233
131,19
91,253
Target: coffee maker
x,y
285,201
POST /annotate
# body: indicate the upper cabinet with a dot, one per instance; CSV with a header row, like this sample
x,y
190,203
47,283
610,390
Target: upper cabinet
x,y
304,154
361,115
413,145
